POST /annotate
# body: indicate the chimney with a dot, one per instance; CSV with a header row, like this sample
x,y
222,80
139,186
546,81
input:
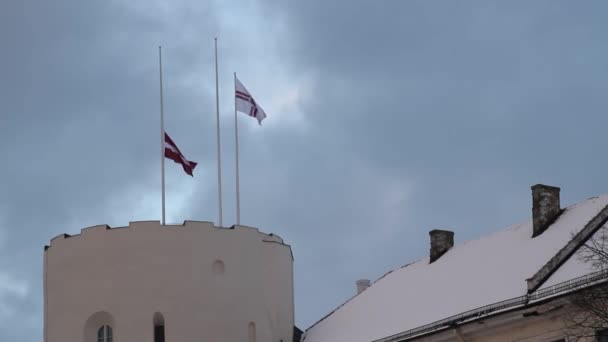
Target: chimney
x,y
362,284
545,207
441,242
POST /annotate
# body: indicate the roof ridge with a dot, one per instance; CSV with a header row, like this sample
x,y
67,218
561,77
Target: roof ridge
x,y
587,215
545,272
357,294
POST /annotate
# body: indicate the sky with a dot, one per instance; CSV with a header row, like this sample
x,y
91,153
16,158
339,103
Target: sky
x,y
386,119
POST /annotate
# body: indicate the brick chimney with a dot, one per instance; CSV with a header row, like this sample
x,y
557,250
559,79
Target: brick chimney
x,y
441,242
362,284
545,207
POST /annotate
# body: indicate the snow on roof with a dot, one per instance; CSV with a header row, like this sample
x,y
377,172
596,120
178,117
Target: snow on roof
x,y
574,267
470,275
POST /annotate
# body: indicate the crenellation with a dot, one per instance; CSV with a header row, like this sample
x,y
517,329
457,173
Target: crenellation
x,y
245,228
123,276
186,225
208,223
142,224
59,239
272,238
94,229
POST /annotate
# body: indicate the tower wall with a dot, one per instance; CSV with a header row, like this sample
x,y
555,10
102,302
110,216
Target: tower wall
x,y
204,283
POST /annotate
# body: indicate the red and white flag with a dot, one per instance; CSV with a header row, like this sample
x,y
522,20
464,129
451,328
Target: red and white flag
x,y
246,104
173,153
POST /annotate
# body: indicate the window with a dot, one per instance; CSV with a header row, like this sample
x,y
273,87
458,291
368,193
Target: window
x,y
159,327
104,334
159,333
601,335
251,328
218,267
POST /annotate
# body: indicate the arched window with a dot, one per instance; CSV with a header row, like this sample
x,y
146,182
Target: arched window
x,y
99,327
251,328
159,327
218,267
104,334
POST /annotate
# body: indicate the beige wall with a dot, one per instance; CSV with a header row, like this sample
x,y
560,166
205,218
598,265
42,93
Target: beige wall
x,y
547,326
123,276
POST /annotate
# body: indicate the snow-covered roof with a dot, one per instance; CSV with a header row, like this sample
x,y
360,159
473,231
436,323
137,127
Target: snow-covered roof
x,y
473,274
574,267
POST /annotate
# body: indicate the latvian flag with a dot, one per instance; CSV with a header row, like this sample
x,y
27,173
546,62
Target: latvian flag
x,y
246,104
173,153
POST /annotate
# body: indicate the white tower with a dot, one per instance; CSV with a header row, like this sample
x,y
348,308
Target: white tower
x,y
190,282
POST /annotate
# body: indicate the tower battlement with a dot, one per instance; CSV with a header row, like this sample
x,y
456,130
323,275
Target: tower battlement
x,y
147,225
197,280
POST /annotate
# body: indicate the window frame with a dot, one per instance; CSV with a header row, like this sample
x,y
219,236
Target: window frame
x,y
105,334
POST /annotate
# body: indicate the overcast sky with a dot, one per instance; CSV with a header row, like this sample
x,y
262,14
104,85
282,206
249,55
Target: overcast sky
x,y
386,119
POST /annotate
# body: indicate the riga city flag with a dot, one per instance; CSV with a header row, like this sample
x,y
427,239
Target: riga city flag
x,y
245,102
173,153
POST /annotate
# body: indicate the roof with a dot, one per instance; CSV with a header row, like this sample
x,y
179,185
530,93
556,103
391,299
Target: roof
x,y
471,275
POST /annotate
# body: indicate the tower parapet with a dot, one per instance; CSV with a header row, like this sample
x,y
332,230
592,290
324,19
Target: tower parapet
x,y
202,282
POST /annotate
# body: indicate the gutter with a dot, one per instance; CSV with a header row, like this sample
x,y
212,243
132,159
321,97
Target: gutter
x,y
471,315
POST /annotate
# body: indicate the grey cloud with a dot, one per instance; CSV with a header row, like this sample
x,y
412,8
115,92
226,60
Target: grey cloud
x,y
79,126
472,102
422,115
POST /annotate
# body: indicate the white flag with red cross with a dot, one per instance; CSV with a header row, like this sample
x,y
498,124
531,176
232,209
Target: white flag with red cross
x,y
246,104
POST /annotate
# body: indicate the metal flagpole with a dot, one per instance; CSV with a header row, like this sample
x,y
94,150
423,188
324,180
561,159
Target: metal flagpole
x,y
162,136
236,143
219,160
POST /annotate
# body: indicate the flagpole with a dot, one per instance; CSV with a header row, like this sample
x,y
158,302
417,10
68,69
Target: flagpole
x,y
162,136
219,161
236,143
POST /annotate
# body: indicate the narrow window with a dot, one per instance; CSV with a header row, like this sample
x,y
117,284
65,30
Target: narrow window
x,y
218,267
104,334
252,332
159,333
159,327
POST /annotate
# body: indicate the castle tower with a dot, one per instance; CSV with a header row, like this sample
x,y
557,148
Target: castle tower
x,y
179,283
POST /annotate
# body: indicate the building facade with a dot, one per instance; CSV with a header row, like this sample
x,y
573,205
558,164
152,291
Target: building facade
x,y
149,282
517,284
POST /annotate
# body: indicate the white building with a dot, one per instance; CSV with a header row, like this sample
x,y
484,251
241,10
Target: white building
x,y
513,285
182,283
